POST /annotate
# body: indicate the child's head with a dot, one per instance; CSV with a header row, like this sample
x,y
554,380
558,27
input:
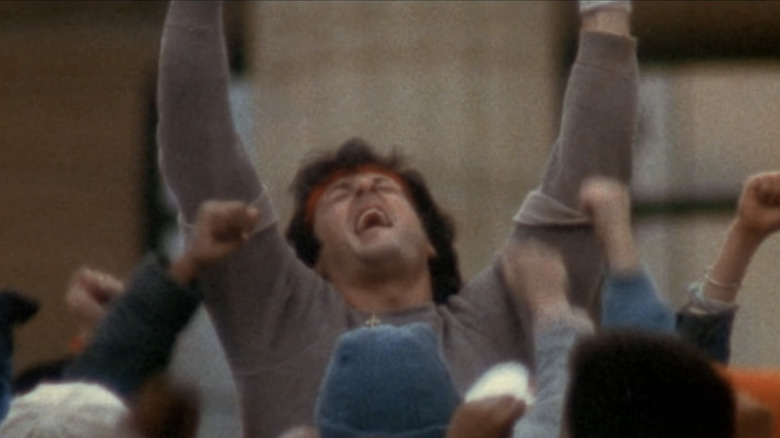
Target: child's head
x,y
67,410
388,381
631,384
161,409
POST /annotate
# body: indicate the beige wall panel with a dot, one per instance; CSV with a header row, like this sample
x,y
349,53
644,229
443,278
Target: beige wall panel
x,y
72,120
714,123
468,89
729,112
676,252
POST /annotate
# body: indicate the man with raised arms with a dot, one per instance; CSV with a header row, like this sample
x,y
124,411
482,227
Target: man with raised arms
x,y
367,244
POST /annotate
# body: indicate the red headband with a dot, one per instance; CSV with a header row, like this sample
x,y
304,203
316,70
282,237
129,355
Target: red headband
x,y
316,193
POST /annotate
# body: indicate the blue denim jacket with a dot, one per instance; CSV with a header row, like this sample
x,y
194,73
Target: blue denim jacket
x,y
634,302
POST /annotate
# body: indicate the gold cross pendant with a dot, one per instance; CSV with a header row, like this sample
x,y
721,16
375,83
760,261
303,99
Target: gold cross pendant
x,y
373,321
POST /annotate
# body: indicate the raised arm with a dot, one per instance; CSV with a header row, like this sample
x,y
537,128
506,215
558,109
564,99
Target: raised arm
x,y
200,151
599,120
135,339
535,274
596,137
89,295
706,320
629,298
758,216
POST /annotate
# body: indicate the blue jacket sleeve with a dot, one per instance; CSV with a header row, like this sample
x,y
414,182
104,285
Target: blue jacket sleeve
x,y
710,333
633,302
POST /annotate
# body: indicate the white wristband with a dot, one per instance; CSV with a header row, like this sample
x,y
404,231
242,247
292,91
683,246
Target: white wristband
x,y
704,305
587,6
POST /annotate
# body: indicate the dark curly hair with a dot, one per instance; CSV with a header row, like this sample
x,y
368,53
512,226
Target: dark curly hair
x,y
439,227
642,385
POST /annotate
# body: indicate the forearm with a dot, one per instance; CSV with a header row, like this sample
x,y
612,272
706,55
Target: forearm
x,y
184,269
201,154
136,338
622,255
596,138
706,321
729,269
553,341
599,120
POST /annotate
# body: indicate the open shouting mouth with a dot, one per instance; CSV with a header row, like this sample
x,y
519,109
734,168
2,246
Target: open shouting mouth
x,y
370,218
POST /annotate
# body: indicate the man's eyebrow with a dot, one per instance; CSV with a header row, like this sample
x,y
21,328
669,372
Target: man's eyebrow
x,y
341,184
385,178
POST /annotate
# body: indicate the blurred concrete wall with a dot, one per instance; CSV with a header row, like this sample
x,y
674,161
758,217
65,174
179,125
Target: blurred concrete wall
x,y
74,87
707,125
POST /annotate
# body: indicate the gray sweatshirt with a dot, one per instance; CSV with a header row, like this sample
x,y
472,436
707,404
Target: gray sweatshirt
x,y
277,320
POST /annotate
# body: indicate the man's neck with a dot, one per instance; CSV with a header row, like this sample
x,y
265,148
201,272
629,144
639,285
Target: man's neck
x,y
383,293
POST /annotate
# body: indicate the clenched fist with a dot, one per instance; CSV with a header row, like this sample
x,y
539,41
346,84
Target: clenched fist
x,y
220,229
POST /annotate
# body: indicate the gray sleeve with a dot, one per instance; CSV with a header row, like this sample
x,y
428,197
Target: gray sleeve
x,y
598,126
597,133
554,341
487,306
201,155
265,304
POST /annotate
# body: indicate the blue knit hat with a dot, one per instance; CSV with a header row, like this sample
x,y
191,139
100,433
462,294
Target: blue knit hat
x,y
386,381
